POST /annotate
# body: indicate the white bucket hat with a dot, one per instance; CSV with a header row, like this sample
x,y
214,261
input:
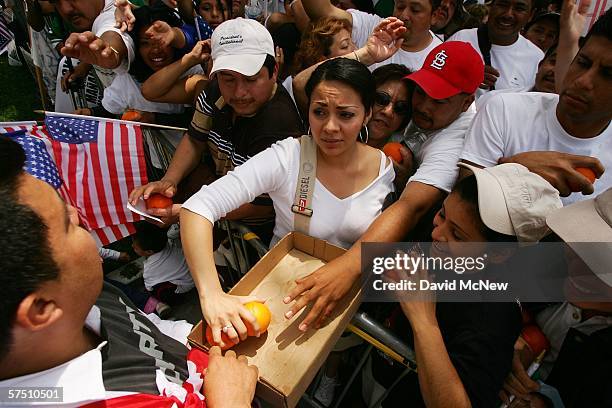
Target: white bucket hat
x,y
588,221
240,45
514,201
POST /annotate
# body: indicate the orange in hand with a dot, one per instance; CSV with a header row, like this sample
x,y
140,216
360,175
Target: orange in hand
x,y
262,315
392,149
587,172
226,340
158,201
132,115
535,339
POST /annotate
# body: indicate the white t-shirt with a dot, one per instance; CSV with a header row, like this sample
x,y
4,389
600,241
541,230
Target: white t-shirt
x,y
168,265
437,157
106,22
275,171
517,63
125,93
512,123
364,24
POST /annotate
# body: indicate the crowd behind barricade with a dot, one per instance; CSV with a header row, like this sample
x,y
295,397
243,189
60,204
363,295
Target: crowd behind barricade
x,y
351,121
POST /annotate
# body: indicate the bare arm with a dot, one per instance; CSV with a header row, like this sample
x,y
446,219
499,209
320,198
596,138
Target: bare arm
x,y
572,21
317,9
438,378
219,309
439,381
166,84
107,51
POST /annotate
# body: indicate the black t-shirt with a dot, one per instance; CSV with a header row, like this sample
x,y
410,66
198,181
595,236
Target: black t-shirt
x,y
479,338
136,347
233,141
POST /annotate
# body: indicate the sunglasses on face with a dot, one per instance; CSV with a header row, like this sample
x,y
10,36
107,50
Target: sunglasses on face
x,y
400,107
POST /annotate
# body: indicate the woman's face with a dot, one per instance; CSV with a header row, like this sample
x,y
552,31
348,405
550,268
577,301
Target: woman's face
x,y
390,109
342,44
154,56
454,224
336,115
212,12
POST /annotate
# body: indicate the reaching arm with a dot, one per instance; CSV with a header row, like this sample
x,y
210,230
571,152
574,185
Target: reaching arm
x,y
572,21
162,33
107,51
166,84
317,9
262,173
384,41
439,381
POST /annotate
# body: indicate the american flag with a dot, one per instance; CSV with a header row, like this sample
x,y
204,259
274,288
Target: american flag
x,y
98,161
5,34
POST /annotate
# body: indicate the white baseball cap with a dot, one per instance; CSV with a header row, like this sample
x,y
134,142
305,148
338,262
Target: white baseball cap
x,y
514,201
240,45
588,221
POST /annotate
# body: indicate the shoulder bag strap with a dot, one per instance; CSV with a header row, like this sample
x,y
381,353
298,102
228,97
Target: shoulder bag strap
x,y
302,203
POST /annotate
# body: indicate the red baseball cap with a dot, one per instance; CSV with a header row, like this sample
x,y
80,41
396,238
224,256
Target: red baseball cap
x,y
450,68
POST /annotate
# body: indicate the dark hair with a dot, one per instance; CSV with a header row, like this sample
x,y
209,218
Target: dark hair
x,y
349,72
26,261
146,16
224,5
467,189
364,5
150,237
270,63
601,28
532,4
395,72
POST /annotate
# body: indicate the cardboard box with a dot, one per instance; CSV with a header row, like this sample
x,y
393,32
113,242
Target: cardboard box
x,y
287,359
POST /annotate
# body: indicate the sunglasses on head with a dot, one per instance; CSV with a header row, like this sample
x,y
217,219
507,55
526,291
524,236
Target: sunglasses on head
x,y
400,107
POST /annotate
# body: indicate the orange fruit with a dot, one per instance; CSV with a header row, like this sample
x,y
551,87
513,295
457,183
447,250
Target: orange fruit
x,y
586,172
535,339
226,340
132,115
262,315
158,201
392,149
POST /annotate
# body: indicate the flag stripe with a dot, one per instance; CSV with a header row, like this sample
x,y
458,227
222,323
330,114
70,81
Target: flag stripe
x,y
99,162
111,167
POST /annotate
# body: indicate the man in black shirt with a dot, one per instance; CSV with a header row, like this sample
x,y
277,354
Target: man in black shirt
x,y
241,112
61,327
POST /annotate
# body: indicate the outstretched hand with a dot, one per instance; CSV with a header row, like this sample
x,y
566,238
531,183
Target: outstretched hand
x,y
124,18
325,287
573,19
386,39
161,33
200,54
229,382
90,49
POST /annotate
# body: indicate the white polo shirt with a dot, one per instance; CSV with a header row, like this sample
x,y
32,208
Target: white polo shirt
x,y
517,63
512,123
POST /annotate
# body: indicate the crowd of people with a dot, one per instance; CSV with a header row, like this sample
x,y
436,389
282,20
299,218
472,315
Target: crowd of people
x,y
496,111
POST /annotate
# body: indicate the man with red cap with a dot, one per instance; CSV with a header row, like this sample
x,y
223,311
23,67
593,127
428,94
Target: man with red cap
x,y
443,109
